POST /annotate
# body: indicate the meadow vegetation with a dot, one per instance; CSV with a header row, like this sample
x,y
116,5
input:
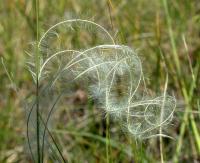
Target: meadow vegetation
x,y
156,42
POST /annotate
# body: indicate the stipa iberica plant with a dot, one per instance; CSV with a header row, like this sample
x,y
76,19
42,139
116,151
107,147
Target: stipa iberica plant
x,y
111,73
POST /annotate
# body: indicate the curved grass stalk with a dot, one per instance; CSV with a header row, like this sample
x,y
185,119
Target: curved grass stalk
x,y
46,128
76,20
104,64
51,57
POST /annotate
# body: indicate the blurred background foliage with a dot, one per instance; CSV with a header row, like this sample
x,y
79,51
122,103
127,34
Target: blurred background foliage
x,y
166,34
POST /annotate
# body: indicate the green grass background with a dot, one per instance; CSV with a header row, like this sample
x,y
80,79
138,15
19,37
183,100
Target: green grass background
x,y
167,36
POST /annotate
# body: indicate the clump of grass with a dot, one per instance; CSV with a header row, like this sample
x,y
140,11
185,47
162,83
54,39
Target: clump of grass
x,y
111,73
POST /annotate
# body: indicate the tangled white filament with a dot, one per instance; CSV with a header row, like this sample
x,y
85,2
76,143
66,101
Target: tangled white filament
x,y
113,74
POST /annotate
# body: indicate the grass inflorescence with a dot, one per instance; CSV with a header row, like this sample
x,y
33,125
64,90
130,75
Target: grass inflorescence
x,y
111,73
82,109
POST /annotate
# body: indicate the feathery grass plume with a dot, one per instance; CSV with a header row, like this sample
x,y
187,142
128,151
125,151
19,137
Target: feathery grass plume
x,y
111,73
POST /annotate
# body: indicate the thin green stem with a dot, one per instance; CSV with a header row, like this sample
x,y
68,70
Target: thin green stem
x,y
188,95
107,139
171,35
161,120
37,83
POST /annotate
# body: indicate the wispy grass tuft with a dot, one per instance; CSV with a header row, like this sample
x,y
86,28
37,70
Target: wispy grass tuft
x,y
112,74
